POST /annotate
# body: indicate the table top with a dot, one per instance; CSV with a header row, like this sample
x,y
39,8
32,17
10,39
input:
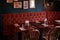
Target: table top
x,y
35,26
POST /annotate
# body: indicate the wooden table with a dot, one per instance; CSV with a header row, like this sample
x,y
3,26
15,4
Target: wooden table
x,y
45,32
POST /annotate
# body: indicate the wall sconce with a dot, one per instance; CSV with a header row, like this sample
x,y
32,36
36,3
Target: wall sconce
x,y
49,4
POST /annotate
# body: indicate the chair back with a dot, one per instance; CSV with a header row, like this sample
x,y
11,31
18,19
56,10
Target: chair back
x,y
34,34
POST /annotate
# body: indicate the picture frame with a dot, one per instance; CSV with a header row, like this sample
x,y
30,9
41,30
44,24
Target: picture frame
x,y
9,1
25,4
15,0
17,4
32,3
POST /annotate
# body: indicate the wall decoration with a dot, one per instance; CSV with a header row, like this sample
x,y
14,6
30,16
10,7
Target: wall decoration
x,y
25,4
17,4
32,3
9,1
15,0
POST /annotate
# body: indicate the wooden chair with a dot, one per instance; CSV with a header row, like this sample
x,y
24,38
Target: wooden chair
x,y
54,34
25,35
34,34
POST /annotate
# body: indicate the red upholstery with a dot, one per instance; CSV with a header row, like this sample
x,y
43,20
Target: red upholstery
x,y
21,17
9,19
53,16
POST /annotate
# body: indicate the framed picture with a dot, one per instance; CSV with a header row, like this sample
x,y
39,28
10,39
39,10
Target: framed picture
x,y
32,3
25,4
9,1
15,0
17,4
